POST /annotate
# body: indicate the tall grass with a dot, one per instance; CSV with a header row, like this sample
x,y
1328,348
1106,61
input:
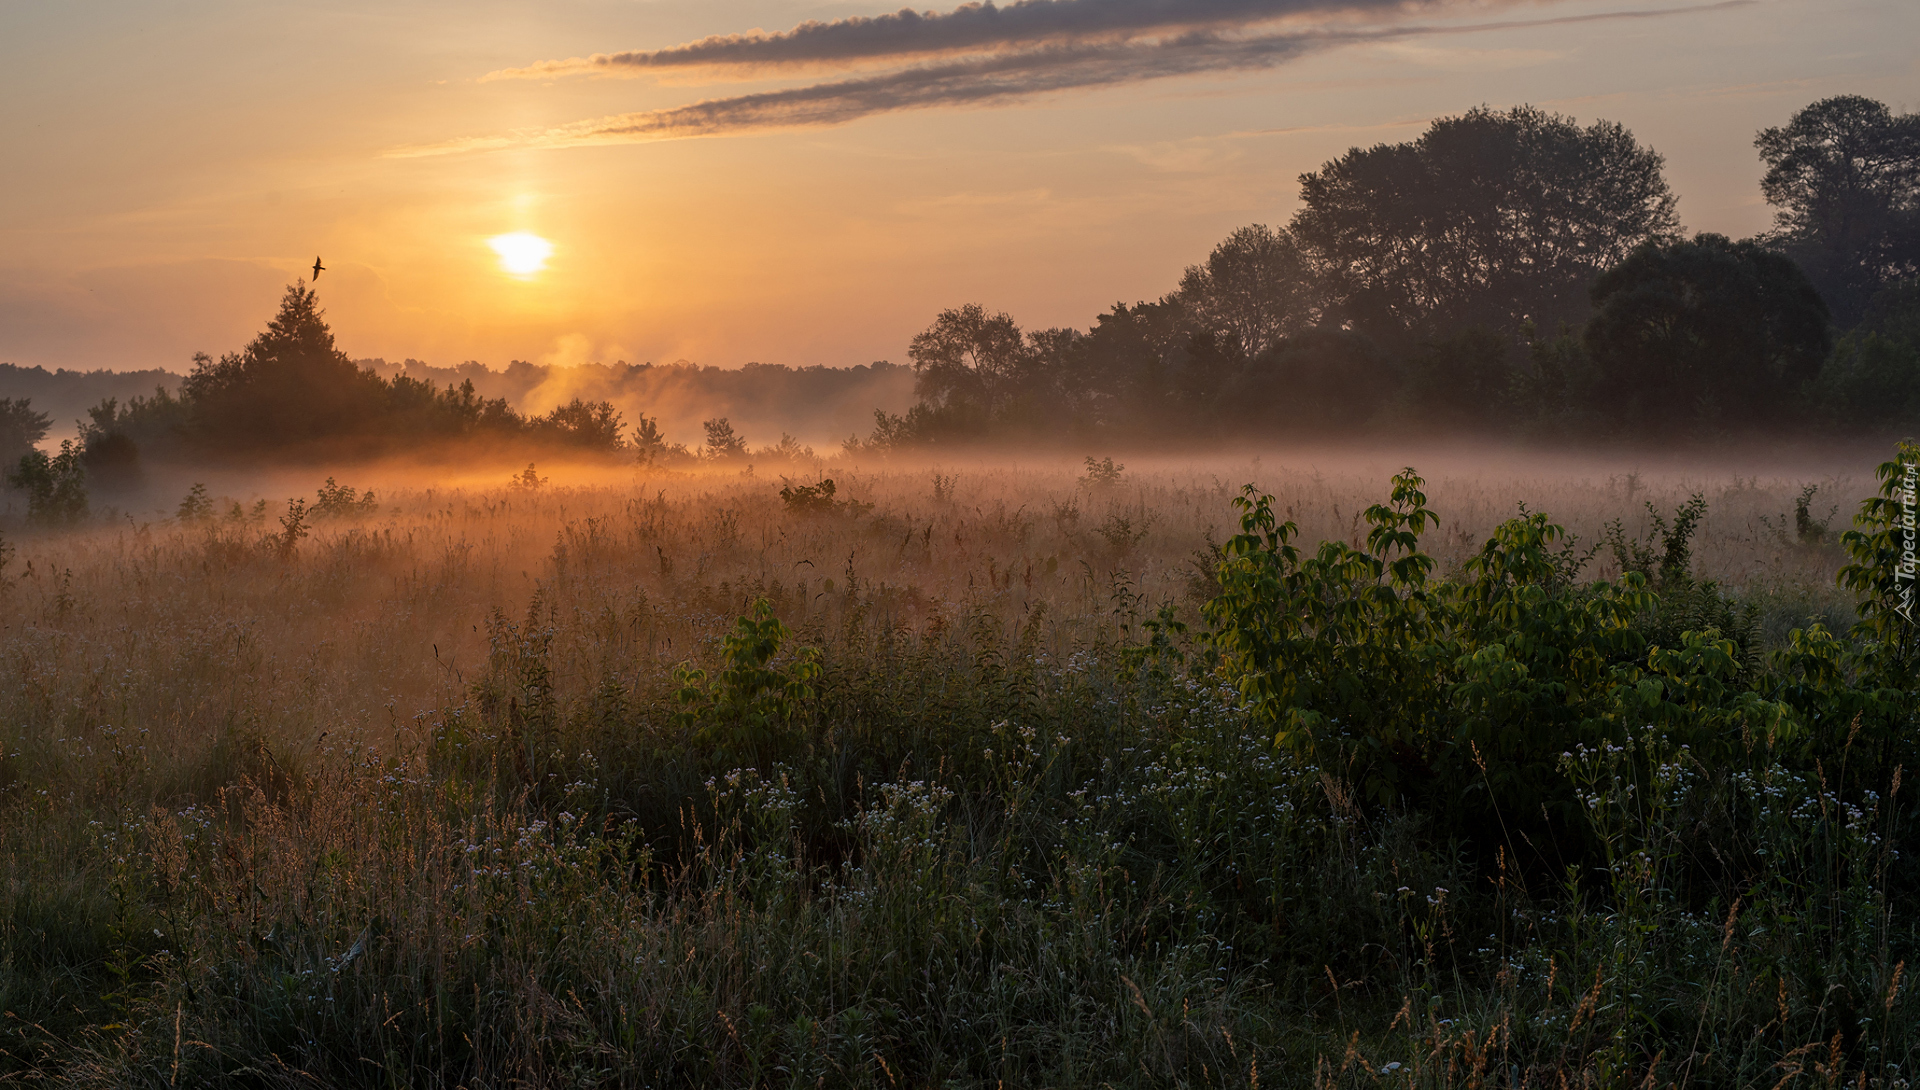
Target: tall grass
x,y
422,802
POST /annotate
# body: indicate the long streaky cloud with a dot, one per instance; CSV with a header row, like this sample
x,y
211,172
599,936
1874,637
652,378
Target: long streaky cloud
x,y
983,80
908,34
973,82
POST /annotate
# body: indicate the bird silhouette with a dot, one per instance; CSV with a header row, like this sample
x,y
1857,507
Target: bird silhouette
x,y
317,268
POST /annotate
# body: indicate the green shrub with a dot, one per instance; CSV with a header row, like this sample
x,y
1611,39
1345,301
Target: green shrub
x,y
749,709
1459,696
56,486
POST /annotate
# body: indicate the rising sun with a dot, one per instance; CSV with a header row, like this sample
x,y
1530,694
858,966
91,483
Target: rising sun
x,y
521,253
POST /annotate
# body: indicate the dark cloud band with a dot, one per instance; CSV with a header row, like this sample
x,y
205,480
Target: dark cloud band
x,y
972,82
908,34
1004,76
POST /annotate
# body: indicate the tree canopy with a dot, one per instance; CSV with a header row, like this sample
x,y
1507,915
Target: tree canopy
x,y
21,428
1844,174
969,360
292,390
1491,218
1253,289
290,384
1704,334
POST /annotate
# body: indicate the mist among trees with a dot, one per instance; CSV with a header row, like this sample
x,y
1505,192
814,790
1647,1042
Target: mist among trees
x,y
292,393
1508,273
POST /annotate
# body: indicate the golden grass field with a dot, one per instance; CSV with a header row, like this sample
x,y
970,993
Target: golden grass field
x,y
184,631
245,781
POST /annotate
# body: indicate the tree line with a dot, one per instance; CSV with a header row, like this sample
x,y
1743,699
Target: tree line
x,y
291,392
1507,273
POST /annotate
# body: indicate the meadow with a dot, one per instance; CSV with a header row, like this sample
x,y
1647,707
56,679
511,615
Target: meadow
x,y
591,776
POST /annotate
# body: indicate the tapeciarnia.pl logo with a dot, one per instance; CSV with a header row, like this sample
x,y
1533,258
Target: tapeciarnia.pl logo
x,y
1904,569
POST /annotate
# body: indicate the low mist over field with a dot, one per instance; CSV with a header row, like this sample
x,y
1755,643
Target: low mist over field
x,y
1308,543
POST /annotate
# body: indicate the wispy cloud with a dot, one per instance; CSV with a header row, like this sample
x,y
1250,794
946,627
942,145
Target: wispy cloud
x,y
970,82
970,28
1009,70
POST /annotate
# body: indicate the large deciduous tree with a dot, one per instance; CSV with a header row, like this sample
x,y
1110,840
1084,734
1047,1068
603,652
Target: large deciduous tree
x,y
1254,288
968,365
1492,218
1844,174
1696,337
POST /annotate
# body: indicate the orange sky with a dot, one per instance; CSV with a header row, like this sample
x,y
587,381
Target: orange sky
x,y
172,166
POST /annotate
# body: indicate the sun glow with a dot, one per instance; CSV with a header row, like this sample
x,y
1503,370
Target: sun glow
x,y
521,253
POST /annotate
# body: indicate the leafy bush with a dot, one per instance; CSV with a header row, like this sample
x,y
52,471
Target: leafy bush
x,y
339,501
196,505
293,527
527,480
749,708
1460,695
56,486
1104,473
818,499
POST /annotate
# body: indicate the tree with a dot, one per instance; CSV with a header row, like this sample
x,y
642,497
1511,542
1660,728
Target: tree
x,y
969,363
1873,379
56,486
1130,369
21,429
595,425
1254,289
1462,381
721,441
650,444
290,385
111,456
1845,176
1490,218
1703,335
1321,383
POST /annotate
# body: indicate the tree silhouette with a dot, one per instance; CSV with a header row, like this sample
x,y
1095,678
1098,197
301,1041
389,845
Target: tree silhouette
x,y
1845,176
56,485
595,425
1254,289
1700,335
290,385
1490,218
1323,382
111,456
721,441
21,429
969,363
1873,379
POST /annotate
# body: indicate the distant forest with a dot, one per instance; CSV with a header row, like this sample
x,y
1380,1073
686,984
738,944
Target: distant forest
x,y
761,399
1508,273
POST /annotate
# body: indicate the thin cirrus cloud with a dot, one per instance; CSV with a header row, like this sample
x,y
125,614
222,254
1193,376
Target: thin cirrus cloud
x,y
1105,51
977,27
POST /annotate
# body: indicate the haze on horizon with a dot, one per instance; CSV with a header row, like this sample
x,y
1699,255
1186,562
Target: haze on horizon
x,y
809,196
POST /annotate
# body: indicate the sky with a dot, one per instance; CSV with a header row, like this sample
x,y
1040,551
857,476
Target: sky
x,y
781,181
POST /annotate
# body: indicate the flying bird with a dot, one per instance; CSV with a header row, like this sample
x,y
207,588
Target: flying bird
x,y
317,268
